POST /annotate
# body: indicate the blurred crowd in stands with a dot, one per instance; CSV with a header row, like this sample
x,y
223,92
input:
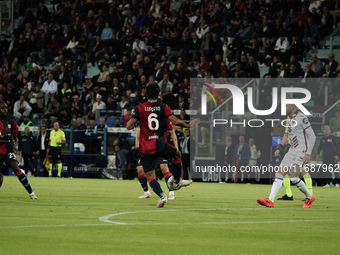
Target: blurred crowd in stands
x,y
134,42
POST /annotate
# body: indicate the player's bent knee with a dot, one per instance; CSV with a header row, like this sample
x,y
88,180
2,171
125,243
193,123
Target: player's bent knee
x,y
295,180
283,170
15,168
164,168
279,176
140,171
150,175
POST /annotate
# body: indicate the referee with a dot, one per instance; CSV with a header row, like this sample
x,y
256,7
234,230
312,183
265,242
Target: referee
x,y
57,138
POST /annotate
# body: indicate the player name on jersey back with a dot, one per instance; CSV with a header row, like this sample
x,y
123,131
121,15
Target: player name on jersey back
x,y
152,109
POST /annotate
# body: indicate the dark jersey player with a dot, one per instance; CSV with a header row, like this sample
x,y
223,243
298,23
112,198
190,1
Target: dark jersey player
x,y
8,140
153,116
162,163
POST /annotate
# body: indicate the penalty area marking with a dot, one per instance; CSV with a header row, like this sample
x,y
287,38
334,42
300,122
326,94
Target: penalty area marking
x,y
106,218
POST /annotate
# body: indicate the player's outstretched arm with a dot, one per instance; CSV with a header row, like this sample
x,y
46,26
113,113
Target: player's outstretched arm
x,y
180,123
137,139
131,124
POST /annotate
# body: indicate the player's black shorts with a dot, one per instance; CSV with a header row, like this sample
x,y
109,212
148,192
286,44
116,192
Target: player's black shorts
x,y
150,162
55,153
159,161
165,150
7,158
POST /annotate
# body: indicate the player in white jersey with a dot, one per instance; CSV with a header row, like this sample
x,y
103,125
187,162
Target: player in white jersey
x,y
302,139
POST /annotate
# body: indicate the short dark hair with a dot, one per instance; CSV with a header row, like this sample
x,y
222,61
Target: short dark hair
x,y
152,91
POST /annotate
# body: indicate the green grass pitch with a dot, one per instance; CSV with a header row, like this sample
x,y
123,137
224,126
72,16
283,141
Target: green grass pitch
x,y
206,218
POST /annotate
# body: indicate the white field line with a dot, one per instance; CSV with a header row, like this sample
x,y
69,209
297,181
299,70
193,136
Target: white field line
x,y
109,222
107,217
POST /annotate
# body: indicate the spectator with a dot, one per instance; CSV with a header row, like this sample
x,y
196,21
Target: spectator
x,y
316,66
302,16
50,50
77,107
111,106
245,31
165,83
53,107
138,47
148,67
311,34
133,102
80,70
292,73
50,87
181,104
192,72
12,48
328,73
123,103
99,105
238,72
326,24
308,73
99,131
332,63
194,46
282,45
252,68
183,116
107,32
293,60
126,117
36,99
65,91
65,112
121,161
39,46
334,123
97,51
25,123
43,15
204,64
90,130
117,123
102,77
202,29
168,98
21,108
274,68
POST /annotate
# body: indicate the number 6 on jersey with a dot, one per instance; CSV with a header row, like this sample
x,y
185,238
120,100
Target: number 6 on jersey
x,y
152,118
